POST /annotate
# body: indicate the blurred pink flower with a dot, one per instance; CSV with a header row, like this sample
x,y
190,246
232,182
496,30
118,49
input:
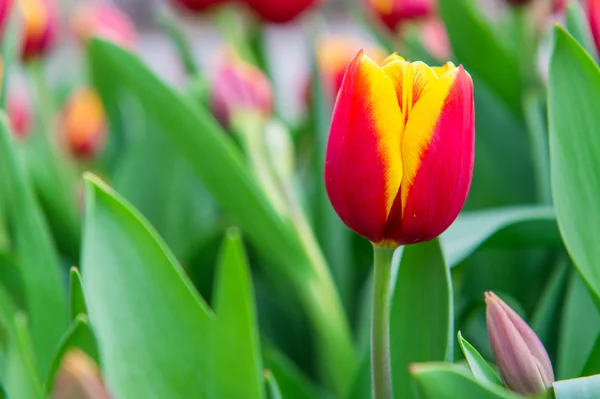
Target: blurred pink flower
x,y
103,19
280,11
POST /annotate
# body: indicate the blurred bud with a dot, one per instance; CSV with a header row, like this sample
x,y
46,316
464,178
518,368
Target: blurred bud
x,y
522,361
280,11
40,24
517,2
5,6
196,5
79,378
84,123
435,38
104,20
392,13
240,87
559,6
18,108
334,53
593,14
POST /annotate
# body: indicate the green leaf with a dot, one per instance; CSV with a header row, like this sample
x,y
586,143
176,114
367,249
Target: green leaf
x,y
215,159
480,368
578,388
272,387
574,95
21,379
77,304
592,366
79,335
446,381
479,48
236,355
421,321
292,383
514,227
39,263
579,330
151,325
577,24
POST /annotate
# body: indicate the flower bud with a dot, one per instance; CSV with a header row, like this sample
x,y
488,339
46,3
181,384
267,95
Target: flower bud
x,y
79,378
517,2
40,24
18,108
435,38
593,14
392,13
104,20
196,5
278,11
84,123
240,87
522,361
400,154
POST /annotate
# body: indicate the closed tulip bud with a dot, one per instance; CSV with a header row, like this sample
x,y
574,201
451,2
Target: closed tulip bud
x,y
40,25
18,108
522,361
84,123
278,11
559,6
79,378
392,13
400,155
435,38
196,5
104,20
240,87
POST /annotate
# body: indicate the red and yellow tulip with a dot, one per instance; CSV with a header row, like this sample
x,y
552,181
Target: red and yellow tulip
x,y
393,12
400,155
280,11
84,123
40,24
103,20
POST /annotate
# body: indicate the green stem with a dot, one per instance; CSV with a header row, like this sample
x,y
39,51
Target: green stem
x,y
380,324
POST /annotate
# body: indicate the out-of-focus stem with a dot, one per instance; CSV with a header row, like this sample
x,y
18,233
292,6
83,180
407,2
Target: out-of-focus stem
x,y
381,369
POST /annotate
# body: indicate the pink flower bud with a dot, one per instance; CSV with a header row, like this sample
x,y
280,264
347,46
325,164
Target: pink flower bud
x,y
196,5
18,108
79,378
105,20
522,360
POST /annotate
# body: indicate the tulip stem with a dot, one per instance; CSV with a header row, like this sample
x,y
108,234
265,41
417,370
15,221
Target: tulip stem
x,y
381,369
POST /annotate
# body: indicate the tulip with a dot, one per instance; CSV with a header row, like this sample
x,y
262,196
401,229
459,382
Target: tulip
x,y
393,13
333,55
84,123
79,378
522,361
593,14
104,20
435,38
400,155
18,108
197,5
5,6
240,87
40,25
278,11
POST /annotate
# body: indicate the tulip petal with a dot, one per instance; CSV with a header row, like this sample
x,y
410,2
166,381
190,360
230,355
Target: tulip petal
x,y
437,156
363,168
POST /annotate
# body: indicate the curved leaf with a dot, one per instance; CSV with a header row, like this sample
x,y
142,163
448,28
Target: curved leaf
x,y
151,326
578,388
479,366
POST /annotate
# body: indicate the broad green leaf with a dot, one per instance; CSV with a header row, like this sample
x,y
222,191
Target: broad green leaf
x,y
76,298
151,326
236,345
215,159
421,320
292,383
447,381
39,264
11,280
480,368
21,379
578,26
592,366
579,330
574,97
478,46
273,391
514,227
79,335
578,388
